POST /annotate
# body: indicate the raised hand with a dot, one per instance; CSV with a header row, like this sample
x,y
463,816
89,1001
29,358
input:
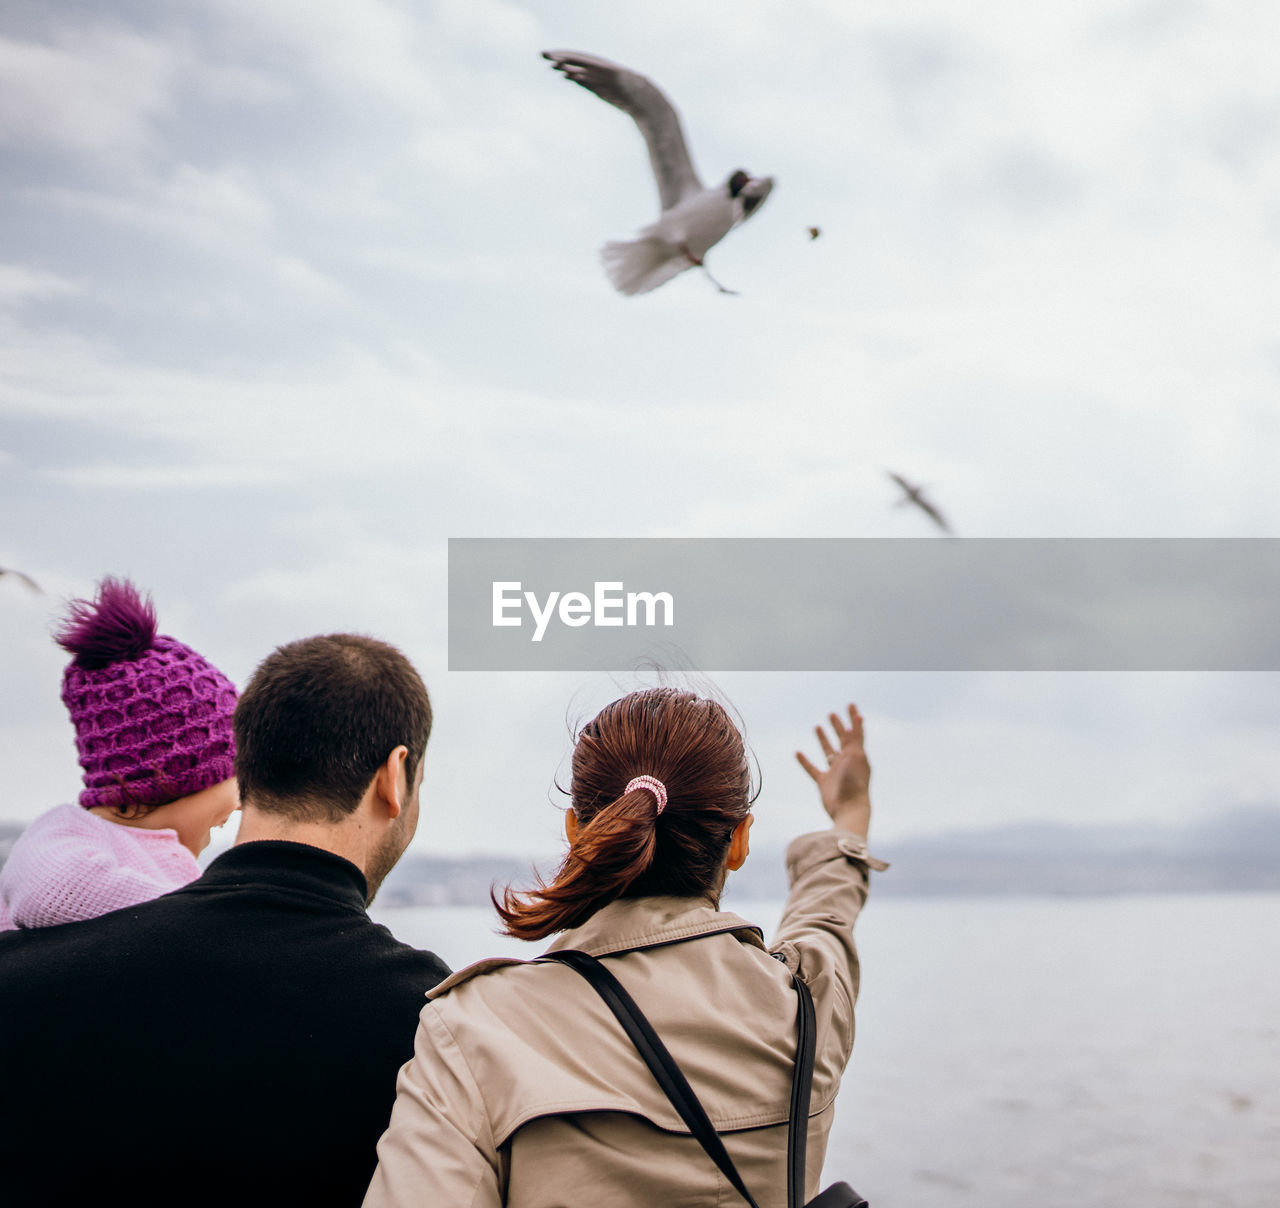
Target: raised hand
x,y
844,784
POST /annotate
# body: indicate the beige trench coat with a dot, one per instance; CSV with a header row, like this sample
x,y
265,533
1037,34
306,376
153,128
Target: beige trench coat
x,y
525,1092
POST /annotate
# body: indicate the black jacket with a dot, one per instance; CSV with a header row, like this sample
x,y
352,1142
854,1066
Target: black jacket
x,y
234,1042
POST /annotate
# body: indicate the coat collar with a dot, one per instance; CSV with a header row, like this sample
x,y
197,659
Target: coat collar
x,y
628,924
278,864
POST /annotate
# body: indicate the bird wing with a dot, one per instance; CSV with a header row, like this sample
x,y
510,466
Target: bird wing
x,y
903,483
653,113
27,579
933,513
915,494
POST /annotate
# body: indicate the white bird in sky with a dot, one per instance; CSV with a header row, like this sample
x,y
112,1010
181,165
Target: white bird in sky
x,y
694,218
915,494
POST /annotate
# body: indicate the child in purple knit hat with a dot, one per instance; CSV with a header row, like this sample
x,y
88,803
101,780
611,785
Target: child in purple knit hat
x,y
153,729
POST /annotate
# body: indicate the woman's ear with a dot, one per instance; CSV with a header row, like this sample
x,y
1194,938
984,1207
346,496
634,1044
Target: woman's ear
x,y
571,826
739,845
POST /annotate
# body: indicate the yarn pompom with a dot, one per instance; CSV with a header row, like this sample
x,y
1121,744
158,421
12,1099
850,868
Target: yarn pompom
x,y
119,624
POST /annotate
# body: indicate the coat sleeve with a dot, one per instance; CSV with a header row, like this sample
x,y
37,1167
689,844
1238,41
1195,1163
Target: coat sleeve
x,y
438,1148
828,876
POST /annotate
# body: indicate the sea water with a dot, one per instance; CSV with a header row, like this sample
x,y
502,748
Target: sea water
x,y
1112,1052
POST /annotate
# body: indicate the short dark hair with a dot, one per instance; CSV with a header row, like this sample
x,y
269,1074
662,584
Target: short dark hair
x,y
319,717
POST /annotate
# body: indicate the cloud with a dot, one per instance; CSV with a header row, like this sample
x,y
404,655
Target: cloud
x,y
222,217
150,477
374,48
101,90
219,210
19,284
356,579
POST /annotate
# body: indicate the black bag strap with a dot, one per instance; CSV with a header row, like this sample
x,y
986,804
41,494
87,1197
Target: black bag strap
x,y
676,1087
801,1093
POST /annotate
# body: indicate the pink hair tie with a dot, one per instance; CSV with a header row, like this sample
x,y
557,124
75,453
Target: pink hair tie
x,y
654,785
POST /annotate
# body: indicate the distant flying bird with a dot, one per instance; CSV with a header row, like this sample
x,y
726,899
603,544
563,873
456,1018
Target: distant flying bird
x,y
694,218
27,579
814,232
915,494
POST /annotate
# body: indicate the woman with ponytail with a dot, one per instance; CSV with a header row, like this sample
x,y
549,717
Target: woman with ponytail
x,y
153,731
525,1091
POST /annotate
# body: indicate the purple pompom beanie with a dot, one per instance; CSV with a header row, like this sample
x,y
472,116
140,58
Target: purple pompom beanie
x,y
152,717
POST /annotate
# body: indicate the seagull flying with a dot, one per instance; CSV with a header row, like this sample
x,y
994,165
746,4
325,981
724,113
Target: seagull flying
x,y
915,494
694,218
27,579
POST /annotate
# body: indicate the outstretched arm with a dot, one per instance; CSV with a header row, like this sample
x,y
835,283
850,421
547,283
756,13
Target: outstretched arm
x,y
828,876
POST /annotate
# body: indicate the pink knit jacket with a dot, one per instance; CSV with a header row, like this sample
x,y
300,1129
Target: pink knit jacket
x,y
70,864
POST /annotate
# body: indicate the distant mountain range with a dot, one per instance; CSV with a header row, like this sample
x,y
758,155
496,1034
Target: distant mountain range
x,y
1236,850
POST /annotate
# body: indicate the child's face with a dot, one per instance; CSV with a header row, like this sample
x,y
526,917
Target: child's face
x,y
195,817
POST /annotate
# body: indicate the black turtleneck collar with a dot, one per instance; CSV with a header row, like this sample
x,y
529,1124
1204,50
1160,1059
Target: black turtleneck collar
x,y
278,864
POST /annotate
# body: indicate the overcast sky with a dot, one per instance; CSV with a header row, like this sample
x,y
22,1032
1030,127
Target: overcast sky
x,y
290,293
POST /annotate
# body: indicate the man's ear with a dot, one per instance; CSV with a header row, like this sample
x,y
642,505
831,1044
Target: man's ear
x,y
390,784
739,845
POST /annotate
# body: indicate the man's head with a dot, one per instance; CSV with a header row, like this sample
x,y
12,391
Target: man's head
x,y
330,735
319,718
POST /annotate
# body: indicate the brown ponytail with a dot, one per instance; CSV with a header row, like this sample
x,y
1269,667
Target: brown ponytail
x,y
623,848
